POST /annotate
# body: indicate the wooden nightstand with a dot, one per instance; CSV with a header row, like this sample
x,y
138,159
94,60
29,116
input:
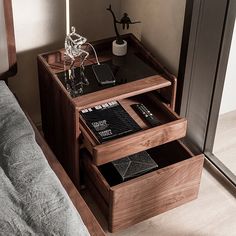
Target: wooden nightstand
x,y
140,78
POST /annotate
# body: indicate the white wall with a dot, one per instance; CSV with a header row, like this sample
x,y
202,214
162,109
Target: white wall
x,y
228,102
39,27
161,28
91,18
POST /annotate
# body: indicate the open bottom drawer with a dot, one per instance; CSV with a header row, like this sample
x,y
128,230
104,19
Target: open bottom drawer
x,y
175,182
172,128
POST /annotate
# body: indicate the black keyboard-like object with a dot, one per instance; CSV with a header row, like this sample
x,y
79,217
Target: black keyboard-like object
x,y
109,121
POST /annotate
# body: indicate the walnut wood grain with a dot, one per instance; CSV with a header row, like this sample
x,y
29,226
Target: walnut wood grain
x,y
150,194
139,141
59,121
7,4
97,178
84,211
56,60
122,91
165,190
103,205
10,32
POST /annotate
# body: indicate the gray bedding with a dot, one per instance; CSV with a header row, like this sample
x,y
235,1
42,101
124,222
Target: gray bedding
x,y
32,199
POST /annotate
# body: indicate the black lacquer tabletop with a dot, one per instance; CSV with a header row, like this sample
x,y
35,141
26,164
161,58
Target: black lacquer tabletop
x,y
125,69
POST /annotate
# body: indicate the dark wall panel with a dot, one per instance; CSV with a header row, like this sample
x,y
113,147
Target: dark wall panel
x,y
201,66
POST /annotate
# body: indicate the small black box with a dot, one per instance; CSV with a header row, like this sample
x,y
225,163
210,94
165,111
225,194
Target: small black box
x,y
134,165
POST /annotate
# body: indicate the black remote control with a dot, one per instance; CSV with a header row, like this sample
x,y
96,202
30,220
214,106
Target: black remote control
x,y
146,114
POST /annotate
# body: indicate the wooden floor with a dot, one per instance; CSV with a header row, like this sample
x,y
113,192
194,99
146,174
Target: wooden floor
x,y
225,140
212,214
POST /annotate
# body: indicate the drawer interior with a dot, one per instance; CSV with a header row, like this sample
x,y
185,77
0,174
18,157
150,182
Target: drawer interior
x,y
153,104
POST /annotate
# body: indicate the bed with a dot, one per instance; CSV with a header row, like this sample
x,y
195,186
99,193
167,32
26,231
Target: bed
x,y
37,197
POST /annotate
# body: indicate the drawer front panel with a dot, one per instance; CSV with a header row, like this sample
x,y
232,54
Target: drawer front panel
x,y
167,189
138,142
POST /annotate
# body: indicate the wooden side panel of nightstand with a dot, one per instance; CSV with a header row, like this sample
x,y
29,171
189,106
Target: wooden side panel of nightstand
x,y
59,120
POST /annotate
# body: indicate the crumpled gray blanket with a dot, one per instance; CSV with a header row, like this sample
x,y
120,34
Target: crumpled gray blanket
x,y
32,199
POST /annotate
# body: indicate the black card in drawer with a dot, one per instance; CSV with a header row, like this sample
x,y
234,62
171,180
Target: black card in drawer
x,y
134,165
109,121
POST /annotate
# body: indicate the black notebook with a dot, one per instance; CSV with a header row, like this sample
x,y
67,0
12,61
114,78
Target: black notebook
x,y
109,121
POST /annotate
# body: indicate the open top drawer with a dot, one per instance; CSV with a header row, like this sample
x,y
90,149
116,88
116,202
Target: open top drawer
x,y
172,128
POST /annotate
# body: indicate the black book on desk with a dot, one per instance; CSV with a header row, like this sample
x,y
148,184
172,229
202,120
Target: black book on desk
x,y
109,121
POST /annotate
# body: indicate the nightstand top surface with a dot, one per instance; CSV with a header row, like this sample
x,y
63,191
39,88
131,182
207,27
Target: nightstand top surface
x,y
134,73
